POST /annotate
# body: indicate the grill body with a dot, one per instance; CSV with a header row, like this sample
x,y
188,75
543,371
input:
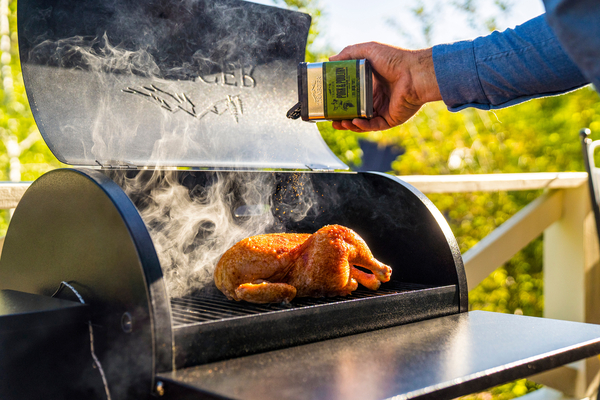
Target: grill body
x,y
204,84
79,227
401,226
137,87
100,245
255,329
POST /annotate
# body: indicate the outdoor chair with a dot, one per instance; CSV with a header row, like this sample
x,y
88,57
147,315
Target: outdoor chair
x,y
588,147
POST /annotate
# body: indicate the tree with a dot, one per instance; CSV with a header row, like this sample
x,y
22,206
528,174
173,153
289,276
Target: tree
x,y
23,154
312,8
480,17
536,136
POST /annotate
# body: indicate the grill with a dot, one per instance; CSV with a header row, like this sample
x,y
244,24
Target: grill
x,y
235,329
163,102
213,307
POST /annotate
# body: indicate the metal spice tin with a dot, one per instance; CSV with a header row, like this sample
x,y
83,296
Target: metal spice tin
x,y
335,90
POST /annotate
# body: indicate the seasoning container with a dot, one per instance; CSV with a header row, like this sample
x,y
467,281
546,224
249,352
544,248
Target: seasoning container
x,y
334,90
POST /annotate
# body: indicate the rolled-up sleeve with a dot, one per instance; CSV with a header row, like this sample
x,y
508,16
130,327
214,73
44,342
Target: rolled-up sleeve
x,y
505,68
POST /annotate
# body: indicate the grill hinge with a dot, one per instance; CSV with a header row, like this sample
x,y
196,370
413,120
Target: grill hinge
x,y
320,167
111,164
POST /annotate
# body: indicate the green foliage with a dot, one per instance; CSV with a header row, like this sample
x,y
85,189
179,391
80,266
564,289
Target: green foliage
x,y
4,218
312,8
427,14
537,136
343,144
23,154
505,392
516,287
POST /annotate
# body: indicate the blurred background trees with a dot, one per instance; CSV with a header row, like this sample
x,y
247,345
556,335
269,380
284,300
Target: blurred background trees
x,y
23,154
536,136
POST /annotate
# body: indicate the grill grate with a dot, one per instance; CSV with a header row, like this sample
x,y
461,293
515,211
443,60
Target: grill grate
x,y
213,305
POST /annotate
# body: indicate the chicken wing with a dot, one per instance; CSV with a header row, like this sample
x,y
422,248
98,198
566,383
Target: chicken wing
x,y
278,267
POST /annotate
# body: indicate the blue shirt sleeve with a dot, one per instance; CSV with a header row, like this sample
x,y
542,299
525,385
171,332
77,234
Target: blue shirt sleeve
x,y
576,24
505,68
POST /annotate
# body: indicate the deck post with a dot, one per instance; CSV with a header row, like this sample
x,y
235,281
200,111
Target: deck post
x,y
564,259
571,285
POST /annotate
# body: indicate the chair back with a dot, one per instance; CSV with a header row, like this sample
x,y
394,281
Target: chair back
x,y
589,147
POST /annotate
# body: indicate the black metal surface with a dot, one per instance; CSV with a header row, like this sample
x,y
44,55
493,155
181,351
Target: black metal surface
x,y
44,348
214,306
268,330
167,82
25,311
186,40
148,83
78,226
401,226
585,143
99,244
440,358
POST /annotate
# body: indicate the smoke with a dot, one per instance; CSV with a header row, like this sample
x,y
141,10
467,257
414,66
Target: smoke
x,y
193,217
193,225
95,55
173,83
167,83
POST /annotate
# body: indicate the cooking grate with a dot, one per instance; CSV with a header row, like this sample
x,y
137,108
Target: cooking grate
x,y
213,305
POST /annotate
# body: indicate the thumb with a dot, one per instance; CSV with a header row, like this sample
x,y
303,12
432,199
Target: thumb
x,y
354,52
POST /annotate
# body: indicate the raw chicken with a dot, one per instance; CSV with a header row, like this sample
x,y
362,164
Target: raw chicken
x,y
278,267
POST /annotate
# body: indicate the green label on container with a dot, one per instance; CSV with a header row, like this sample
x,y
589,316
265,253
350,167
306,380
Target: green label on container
x,y
342,89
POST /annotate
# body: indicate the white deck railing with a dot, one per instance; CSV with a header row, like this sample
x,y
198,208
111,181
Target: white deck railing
x,y
571,256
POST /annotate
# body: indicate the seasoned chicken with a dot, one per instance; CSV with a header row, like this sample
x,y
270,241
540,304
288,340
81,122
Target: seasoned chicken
x,y
278,267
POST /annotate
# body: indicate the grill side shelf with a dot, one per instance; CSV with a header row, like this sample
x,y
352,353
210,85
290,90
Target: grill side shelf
x,y
224,329
441,358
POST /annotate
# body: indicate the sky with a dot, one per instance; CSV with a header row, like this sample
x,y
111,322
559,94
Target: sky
x,y
347,22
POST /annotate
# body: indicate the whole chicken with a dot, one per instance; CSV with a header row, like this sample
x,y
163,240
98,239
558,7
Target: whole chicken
x,y
277,267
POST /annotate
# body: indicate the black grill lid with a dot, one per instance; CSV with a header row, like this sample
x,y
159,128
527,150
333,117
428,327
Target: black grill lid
x,y
202,83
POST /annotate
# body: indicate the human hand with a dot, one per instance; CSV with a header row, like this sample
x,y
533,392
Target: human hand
x,y
403,80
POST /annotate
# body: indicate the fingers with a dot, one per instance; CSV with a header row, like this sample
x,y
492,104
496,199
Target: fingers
x,y
362,125
373,124
354,52
403,80
338,126
346,125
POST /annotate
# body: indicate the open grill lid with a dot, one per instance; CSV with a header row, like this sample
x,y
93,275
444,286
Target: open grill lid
x,y
202,83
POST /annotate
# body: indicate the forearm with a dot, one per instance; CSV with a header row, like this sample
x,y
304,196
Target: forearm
x,y
504,68
423,77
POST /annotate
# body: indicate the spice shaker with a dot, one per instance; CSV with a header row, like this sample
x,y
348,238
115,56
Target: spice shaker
x,y
334,90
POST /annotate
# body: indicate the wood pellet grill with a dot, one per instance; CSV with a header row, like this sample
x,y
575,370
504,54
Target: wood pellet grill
x,y
136,89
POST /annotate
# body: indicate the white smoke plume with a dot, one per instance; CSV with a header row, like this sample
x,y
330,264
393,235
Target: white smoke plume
x,y
192,227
